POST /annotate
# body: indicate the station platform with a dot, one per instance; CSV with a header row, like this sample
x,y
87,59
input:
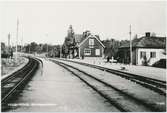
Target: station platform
x,y
151,72
54,89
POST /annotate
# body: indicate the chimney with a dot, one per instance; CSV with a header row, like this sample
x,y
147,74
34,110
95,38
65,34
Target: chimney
x,y
147,34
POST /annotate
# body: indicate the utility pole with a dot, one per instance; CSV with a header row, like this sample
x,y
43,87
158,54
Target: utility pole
x,y
60,50
9,40
12,45
22,43
130,33
47,50
29,48
17,38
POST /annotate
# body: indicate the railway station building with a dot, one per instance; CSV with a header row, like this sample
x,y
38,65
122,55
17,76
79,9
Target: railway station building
x,y
91,46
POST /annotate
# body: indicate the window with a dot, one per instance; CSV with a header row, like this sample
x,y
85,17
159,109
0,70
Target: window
x,y
97,52
91,43
152,54
87,51
142,54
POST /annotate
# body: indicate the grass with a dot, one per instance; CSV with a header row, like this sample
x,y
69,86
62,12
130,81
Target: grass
x,y
8,65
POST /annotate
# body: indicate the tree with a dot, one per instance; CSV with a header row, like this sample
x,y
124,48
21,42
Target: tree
x,y
65,50
86,33
2,47
44,48
69,42
55,51
27,48
33,46
38,49
111,47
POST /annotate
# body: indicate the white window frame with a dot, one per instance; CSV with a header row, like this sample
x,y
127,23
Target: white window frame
x,y
87,51
152,54
97,51
91,42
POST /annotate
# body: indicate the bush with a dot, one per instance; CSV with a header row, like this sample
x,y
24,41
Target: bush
x,y
160,64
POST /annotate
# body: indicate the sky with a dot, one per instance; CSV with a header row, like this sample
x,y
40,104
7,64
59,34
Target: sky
x,y
48,21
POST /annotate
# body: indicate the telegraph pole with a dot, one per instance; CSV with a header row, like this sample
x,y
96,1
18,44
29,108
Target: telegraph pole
x,y
29,48
130,33
9,40
22,43
47,50
17,38
60,50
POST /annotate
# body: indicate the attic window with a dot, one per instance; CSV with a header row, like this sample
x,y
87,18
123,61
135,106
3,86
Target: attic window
x,y
91,43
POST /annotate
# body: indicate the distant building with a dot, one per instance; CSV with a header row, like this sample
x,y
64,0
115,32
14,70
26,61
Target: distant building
x,y
147,48
90,46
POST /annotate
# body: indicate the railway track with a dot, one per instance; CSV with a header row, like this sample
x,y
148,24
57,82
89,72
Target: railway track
x,y
13,84
123,101
150,83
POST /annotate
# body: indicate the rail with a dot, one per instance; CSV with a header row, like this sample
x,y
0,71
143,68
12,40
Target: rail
x,y
17,80
150,83
94,82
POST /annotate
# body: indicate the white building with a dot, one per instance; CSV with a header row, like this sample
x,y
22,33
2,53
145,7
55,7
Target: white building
x,y
147,48
152,55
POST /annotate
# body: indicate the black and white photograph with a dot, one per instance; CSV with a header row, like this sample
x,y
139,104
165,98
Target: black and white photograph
x,y
83,56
